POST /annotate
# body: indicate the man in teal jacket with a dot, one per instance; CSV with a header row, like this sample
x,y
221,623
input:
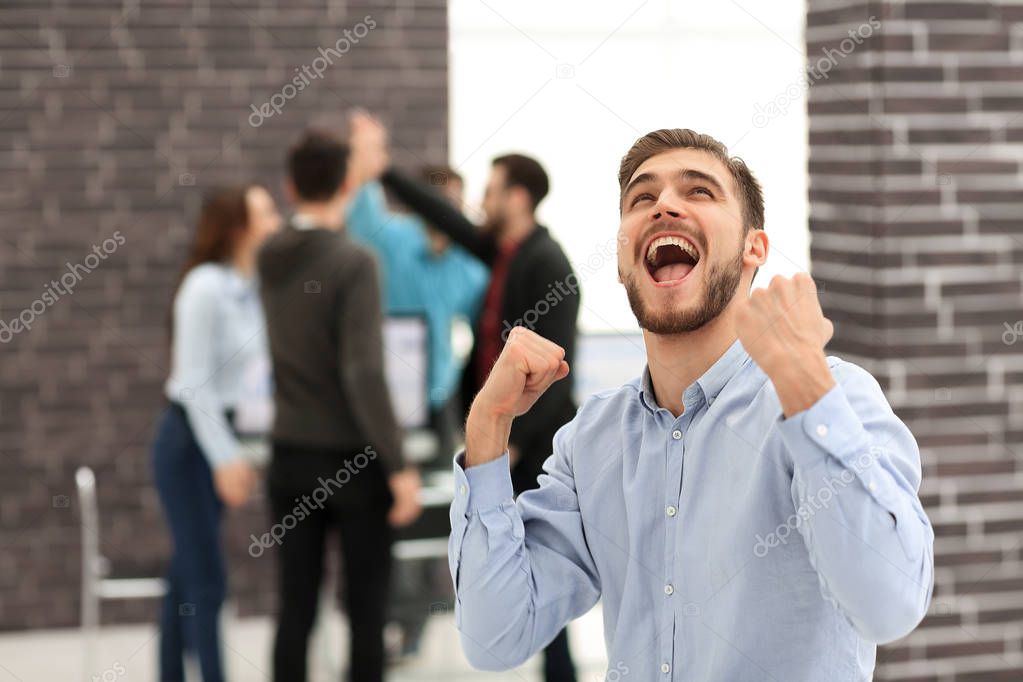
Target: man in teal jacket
x,y
423,274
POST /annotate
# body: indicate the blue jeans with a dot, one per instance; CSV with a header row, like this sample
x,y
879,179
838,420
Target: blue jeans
x,y
190,616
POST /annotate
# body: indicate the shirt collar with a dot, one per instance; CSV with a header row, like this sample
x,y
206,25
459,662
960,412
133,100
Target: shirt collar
x,y
709,384
301,221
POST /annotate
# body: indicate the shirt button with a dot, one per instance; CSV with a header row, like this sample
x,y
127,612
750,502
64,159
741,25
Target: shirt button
x,y
669,590
462,489
676,434
822,430
665,668
872,486
671,511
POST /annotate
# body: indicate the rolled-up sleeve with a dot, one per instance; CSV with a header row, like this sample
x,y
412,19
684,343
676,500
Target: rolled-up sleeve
x,y
521,568
856,475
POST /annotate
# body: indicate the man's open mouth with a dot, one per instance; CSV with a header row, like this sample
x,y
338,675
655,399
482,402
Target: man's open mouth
x,y
670,258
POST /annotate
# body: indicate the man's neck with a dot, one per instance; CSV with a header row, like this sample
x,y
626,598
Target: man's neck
x,y
677,360
329,216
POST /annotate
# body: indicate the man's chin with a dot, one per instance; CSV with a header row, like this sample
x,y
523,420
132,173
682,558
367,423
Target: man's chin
x,y
666,312
687,307
659,312
673,322
493,226
679,299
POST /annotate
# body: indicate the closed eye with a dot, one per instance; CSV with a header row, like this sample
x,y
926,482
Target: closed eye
x,y
704,190
640,197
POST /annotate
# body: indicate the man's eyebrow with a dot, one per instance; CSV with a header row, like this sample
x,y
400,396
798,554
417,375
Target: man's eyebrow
x,y
696,175
641,178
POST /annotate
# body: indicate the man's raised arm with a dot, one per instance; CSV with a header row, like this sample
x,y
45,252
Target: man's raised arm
x,y
522,570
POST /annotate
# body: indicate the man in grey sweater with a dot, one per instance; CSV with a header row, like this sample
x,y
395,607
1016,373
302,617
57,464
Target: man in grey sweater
x,y
337,460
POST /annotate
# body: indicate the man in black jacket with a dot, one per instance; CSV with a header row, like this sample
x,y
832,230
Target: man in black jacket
x,y
531,284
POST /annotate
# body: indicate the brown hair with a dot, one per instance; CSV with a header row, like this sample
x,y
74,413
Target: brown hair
x,y
318,165
527,173
750,194
223,219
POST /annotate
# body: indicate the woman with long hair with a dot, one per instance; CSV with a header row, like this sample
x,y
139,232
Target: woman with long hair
x,y
217,331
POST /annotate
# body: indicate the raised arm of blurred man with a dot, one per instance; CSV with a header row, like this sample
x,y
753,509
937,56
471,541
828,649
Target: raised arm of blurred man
x,y
421,273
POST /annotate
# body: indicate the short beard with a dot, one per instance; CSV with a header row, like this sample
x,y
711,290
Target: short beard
x,y
722,283
494,225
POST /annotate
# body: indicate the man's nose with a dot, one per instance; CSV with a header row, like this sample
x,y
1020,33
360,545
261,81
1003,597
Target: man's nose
x,y
668,206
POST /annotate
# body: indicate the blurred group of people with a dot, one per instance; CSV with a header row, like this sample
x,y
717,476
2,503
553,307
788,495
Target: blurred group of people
x,y
311,293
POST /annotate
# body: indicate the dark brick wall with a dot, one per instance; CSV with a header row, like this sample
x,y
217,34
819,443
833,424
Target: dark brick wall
x,y
114,117
917,242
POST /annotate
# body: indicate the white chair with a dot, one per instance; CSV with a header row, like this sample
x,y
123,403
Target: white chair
x,y
96,586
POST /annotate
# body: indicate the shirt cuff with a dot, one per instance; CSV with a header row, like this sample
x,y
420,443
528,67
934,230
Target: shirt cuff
x,y
829,426
484,486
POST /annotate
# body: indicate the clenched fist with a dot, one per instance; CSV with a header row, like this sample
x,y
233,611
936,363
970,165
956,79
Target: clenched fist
x,y
527,366
784,330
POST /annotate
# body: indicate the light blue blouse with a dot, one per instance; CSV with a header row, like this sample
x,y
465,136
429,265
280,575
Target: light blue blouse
x,y
219,331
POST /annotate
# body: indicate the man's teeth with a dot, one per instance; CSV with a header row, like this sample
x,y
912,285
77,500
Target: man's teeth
x,y
651,253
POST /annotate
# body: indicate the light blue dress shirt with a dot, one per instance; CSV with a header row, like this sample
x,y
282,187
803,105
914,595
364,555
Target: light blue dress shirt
x,y
727,544
219,332
416,280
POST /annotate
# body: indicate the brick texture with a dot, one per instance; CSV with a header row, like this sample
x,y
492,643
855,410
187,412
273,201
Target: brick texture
x,y
917,245
115,117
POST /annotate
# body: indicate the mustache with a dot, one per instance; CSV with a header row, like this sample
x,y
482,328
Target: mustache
x,y
669,225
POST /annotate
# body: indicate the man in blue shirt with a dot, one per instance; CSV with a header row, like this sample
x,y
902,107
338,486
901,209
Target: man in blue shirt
x,y
747,509
422,273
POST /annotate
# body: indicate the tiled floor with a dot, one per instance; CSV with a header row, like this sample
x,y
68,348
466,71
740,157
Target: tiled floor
x,y
128,654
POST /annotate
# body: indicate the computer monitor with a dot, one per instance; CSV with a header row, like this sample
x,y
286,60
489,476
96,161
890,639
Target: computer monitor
x,y
606,360
406,362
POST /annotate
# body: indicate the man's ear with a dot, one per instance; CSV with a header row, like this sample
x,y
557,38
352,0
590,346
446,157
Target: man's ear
x,y
522,198
290,192
756,248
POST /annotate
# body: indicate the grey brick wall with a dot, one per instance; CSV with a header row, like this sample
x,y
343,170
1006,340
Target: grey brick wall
x,y
114,118
917,241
